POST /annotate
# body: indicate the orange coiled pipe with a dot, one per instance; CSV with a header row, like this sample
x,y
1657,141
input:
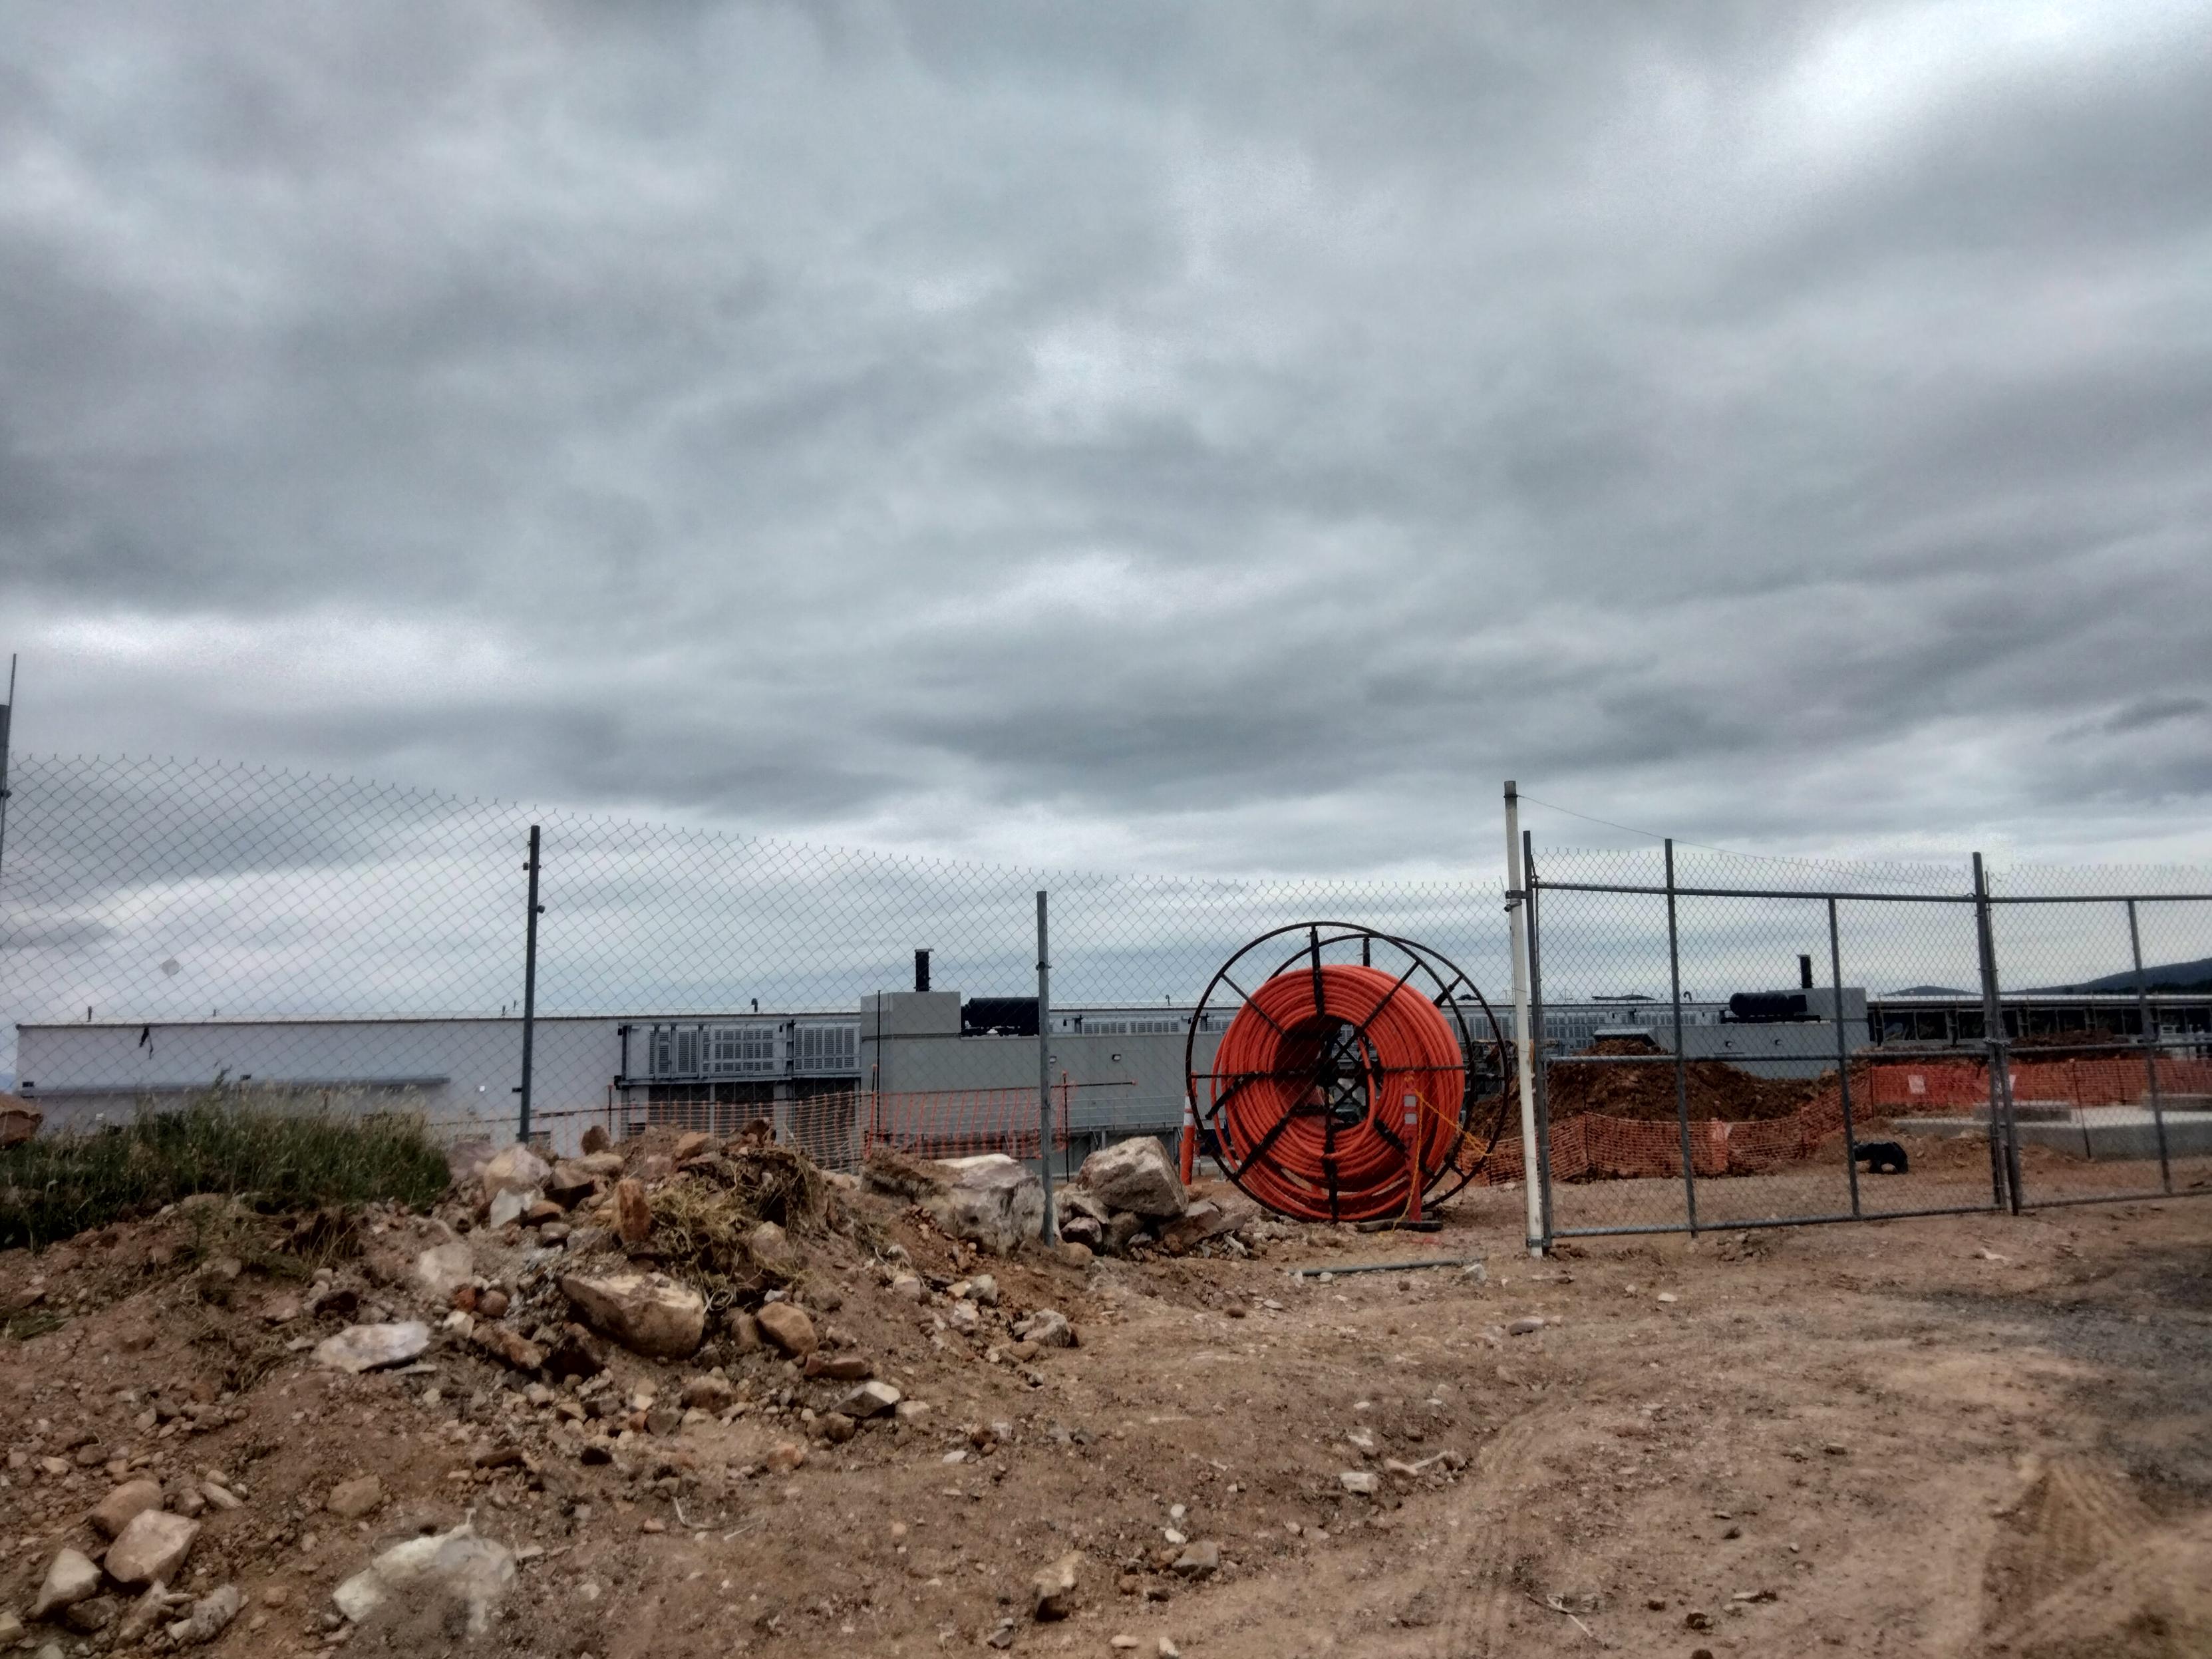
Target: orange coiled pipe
x,y
1309,1092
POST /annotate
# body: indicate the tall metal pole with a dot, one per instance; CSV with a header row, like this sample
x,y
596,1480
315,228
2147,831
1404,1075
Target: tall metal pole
x,y
1842,1056
1044,1071
2004,1145
1534,1040
7,723
2150,1037
1681,1060
529,987
1524,1060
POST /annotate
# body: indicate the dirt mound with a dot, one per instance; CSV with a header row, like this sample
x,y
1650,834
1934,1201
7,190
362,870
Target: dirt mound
x,y
1717,1090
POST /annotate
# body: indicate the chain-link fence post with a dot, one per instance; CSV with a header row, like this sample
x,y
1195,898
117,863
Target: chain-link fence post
x,y
1534,1038
1682,1059
1044,1070
2150,1040
529,989
1842,1056
7,723
1516,911
2004,1145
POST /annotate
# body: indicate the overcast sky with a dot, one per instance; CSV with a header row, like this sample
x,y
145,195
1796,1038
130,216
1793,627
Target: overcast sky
x,y
1192,437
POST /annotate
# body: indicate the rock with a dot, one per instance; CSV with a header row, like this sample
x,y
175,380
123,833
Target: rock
x,y
983,1290
1074,1254
649,1313
1207,1217
596,1139
149,1610
570,1184
92,1616
573,1355
210,1615
351,1499
1527,1326
492,1305
908,1287
18,1119
445,1268
964,1317
789,1328
1047,1329
841,1367
772,1250
372,1347
1072,1201
1360,1483
1122,1230
709,1393
870,1400
514,1169
332,1298
785,1455
72,1579
1200,1561
543,1212
458,1566
1084,1230
1136,1175
693,1143
745,1330
1052,1589
117,1509
1474,1273
837,1427
510,1206
633,1215
510,1347
991,1201
154,1545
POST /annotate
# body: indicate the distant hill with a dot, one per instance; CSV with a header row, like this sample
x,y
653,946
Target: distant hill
x,y
1934,991
2167,976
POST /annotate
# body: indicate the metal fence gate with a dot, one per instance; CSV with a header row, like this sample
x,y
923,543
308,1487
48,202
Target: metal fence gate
x,y
1730,1043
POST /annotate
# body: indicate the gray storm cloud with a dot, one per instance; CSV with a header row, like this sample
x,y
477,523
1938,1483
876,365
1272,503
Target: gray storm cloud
x,y
1197,439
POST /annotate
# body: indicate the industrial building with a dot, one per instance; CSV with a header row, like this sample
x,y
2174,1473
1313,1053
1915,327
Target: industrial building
x,y
935,1063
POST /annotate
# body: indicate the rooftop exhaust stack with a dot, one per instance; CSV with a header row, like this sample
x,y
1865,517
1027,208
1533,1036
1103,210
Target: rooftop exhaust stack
x,y
1804,973
922,970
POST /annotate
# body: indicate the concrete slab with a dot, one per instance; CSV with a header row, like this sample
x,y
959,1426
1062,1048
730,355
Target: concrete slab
x,y
2101,1133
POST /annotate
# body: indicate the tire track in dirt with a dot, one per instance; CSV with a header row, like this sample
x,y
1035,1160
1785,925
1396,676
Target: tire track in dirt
x,y
2087,1556
1474,1622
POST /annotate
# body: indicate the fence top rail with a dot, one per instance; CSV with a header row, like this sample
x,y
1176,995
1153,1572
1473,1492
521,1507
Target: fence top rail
x,y
1746,892
1817,894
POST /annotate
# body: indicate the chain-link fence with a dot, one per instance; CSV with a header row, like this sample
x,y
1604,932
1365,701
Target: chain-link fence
x,y
164,924
1735,1042
1727,1041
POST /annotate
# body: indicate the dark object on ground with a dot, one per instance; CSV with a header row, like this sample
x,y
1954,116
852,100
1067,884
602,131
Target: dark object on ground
x,y
1882,1158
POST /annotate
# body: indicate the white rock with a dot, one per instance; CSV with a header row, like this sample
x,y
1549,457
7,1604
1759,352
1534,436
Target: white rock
x,y
870,1400
508,1203
1360,1482
991,1201
514,1169
209,1618
1135,1174
72,1579
153,1547
372,1347
649,1313
443,1269
457,1564
1048,1328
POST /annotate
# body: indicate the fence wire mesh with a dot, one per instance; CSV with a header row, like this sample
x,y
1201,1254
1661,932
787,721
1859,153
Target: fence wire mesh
x,y
355,946
1750,1042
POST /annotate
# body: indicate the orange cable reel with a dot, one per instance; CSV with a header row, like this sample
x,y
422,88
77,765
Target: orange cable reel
x,y
1343,1090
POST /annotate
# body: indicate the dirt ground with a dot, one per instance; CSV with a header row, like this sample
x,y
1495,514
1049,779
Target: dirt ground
x,y
1949,1436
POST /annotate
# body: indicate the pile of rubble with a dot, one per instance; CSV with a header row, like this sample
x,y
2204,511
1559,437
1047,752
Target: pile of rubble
x,y
678,1317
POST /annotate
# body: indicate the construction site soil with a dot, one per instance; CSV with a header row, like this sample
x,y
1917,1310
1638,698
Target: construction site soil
x,y
1961,1436
1645,1090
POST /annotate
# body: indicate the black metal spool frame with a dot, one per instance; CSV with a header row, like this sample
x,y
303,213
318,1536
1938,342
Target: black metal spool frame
x,y
1343,1063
